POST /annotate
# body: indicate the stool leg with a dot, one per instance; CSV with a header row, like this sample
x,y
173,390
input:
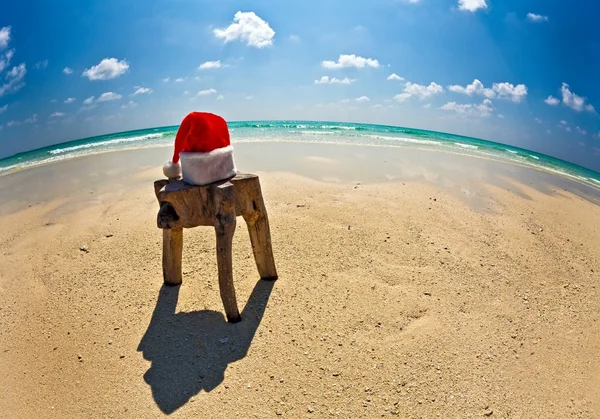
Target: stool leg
x,y
260,237
224,201
171,257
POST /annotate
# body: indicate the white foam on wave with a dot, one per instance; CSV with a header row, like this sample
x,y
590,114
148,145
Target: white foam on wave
x,y
512,151
32,163
403,140
66,156
469,146
104,143
391,139
533,157
338,127
11,167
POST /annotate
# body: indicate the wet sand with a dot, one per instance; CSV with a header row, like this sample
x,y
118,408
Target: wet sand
x,y
411,283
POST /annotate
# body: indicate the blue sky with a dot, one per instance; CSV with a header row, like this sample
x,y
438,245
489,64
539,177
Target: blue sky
x,y
517,72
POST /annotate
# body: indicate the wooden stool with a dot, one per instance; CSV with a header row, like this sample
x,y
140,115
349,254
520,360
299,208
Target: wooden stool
x,y
185,206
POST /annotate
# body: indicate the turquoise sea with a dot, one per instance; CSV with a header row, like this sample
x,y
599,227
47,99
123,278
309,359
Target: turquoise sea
x,y
307,132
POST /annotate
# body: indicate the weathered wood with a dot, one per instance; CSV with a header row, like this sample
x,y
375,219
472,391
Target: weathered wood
x,y
171,257
259,231
185,206
193,204
167,216
225,222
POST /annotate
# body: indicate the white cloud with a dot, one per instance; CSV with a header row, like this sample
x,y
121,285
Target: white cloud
x,y
131,104
248,28
5,61
412,1
14,79
333,80
472,5
295,38
186,93
220,97
347,61
574,101
210,65
499,90
57,114
143,91
402,97
180,79
484,109
166,79
207,92
30,120
362,99
580,131
4,37
418,90
563,125
500,116
509,91
538,120
70,100
379,105
7,56
427,106
536,18
67,71
249,97
475,88
3,108
89,100
109,68
552,101
394,76
41,65
108,96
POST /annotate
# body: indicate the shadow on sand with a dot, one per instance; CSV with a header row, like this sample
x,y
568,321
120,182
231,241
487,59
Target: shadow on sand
x,y
191,351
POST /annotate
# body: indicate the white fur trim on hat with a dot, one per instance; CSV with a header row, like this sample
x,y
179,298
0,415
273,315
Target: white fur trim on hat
x,y
204,168
172,170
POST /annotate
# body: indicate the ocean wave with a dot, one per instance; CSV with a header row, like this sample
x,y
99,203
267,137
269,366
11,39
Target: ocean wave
x,y
533,157
342,127
11,167
358,137
32,163
403,140
103,143
469,146
251,125
511,151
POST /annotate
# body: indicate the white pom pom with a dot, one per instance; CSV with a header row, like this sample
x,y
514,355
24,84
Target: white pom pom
x,y
172,170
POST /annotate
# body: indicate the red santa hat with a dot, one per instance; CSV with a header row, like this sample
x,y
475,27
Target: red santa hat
x,y
202,143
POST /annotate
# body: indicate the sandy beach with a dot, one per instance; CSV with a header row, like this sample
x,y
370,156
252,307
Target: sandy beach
x,y
401,292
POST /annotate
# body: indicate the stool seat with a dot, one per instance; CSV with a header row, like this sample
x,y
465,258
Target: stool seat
x,y
182,205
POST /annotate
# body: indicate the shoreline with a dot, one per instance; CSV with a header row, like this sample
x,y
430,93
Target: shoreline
x,y
153,157
313,132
